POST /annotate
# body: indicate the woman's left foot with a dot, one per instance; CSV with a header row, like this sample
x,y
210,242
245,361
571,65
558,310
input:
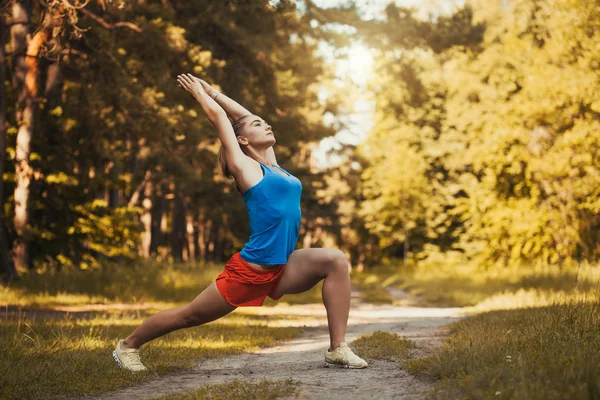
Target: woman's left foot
x,y
343,357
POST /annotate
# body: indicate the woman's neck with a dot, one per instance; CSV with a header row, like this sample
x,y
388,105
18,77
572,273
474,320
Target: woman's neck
x,y
258,155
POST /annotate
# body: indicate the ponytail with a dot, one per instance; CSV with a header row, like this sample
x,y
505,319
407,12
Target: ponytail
x,y
223,163
237,129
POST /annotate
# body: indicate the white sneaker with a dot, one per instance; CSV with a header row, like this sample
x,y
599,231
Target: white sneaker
x,y
128,358
343,357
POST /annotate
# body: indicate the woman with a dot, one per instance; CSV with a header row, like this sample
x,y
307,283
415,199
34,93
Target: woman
x,y
268,265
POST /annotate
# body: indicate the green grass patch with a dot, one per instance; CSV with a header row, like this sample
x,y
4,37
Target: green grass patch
x,y
547,352
262,390
65,357
144,282
370,286
383,346
451,285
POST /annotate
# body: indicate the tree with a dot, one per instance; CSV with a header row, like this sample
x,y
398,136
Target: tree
x,y
7,267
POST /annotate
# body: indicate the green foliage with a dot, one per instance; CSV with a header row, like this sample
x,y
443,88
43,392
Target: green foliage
x,y
486,145
118,118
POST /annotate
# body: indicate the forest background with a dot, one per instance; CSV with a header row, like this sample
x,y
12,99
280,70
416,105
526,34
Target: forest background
x,y
484,148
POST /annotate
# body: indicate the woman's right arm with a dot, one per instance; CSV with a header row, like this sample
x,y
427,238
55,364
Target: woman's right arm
x,y
236,159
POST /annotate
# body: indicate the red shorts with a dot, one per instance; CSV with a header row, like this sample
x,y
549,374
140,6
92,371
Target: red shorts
x,y
242,285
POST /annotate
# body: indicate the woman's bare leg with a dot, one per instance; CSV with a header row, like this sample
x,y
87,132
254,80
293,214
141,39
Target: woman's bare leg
x,y
305,268
207,306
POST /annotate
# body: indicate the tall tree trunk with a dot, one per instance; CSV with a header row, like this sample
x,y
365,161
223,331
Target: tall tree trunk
x,y
190,237
218,240
178,227
25,54
159,208
196,235
49,130
114,198
211,234
406,245
204,226
147,220
7,266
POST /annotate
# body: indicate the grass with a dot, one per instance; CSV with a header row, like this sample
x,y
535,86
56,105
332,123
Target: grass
x,y
370,288
160,285
65,357
383,346
533,333
262,390
450,285
548,352
60,355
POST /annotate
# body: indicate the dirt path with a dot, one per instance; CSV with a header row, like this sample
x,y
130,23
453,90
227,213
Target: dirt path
x,y
302,359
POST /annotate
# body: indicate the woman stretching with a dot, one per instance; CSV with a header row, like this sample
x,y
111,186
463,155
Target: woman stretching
x,y
267,265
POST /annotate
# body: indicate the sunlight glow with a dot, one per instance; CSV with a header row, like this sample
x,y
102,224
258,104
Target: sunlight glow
x,y
356,67
359,64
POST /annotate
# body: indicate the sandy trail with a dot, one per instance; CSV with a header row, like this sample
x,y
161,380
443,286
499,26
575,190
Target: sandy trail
x,y
302,359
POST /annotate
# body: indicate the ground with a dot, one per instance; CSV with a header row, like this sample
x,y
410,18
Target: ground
x,y
302,359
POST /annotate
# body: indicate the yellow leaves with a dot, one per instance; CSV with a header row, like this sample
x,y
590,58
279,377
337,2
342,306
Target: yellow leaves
x,y
99,203
62,179
201,58
69,124
56,111
64,260
151,97
176,38
287,82
134,66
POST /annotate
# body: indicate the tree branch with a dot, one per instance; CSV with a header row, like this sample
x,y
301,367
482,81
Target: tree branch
x,y
108,25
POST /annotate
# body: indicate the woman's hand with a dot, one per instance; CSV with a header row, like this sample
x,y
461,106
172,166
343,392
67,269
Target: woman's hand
x,y
191,84
212,109
207,88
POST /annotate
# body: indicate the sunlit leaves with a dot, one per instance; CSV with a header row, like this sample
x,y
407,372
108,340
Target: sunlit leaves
x,y
507,134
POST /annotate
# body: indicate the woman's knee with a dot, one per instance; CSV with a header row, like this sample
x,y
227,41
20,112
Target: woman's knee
x,y
337,261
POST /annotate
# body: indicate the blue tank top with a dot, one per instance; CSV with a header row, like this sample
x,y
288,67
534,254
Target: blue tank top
x,y
274,212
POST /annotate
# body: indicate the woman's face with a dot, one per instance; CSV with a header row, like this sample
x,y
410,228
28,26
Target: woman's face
x,y
258,132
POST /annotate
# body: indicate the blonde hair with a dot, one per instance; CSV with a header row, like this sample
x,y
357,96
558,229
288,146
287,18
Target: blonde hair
x,y
237,129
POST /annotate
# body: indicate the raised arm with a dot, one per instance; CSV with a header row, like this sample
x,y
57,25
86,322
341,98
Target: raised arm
x,y
232,107
236,159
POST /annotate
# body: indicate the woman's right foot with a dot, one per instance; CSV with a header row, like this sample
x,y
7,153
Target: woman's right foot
x,y
343,357
128,359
